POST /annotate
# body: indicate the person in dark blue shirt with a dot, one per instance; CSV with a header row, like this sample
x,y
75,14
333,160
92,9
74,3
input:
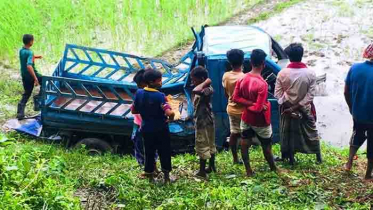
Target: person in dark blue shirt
x,y
359,98
136,134
155,113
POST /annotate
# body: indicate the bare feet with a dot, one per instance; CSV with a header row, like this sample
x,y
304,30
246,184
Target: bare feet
x,y
201,174
368,179
273,168
348,166
210,170
318,158
250,173
238,162
142,176
150,176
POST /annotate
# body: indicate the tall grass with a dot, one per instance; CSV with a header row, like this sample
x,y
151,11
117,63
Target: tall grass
x,y
145,27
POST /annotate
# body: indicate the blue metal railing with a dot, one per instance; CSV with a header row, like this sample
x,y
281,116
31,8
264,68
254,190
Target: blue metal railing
x,y
108,66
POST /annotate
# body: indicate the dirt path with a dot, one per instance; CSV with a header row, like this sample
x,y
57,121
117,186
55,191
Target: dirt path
x,y
334,34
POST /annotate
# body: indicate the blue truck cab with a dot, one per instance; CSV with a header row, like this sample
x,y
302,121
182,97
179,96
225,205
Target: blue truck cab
x,y
87,100
212,45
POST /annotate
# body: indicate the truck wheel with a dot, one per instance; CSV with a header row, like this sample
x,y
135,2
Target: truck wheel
x,y
94,146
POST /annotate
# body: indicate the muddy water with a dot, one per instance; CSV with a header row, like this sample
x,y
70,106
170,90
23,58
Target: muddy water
x,y
334,34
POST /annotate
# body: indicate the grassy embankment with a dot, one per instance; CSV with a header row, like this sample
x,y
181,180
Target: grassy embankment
x,y
37,175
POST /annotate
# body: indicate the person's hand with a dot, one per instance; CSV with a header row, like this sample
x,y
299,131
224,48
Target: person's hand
x,y
265,107
171,117
287,111
198,89
36,82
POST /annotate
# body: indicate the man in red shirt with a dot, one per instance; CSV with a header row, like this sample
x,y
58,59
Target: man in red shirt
x,y
252,92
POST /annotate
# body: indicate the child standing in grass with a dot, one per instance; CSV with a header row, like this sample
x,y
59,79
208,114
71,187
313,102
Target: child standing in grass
x,y
151,105
136,135
30,76
203,120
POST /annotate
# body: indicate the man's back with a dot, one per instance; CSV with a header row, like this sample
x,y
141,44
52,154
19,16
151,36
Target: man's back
x,y
149,105
26,57
251,85
254,88
229,83
295,84
360,83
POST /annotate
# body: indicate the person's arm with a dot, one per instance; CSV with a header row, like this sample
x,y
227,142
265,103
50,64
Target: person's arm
x,y
202,86
134,104
347,93
167,109
225,87
38,57
133,110
237,96
279,91
290,108
30,69
348,97
258,106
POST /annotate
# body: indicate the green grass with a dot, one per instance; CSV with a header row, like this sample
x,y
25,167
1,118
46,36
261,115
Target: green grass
x,y
147,27
277,9
34,175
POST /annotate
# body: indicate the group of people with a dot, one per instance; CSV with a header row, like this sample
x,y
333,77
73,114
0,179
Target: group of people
x,y
248,109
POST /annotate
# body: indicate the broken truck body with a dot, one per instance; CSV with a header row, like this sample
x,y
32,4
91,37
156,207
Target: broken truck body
x,y
88,97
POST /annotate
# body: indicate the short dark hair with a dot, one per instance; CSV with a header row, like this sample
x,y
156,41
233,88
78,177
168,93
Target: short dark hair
x,y
150,75
235,57
200,72
257,57
139,76
27,38
295,52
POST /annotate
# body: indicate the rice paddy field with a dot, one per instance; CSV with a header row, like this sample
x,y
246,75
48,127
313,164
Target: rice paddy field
x,y
145,27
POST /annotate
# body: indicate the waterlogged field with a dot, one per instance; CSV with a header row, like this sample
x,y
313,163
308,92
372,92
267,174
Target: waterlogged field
x,y
40,176
146,27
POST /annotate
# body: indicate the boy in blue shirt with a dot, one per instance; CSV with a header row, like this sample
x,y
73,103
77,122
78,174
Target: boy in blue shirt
x,y
155,113
136,134
359,98
30,76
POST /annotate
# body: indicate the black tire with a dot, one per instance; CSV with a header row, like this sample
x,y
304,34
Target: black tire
x,y
94,146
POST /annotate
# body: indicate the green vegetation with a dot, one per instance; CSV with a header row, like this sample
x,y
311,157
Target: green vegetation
x,y
146,27
277,9
35,175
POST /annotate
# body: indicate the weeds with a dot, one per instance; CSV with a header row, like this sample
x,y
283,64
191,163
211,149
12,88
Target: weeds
x,y
35,174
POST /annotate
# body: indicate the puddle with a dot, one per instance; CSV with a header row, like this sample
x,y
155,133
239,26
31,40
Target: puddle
x,y
334,34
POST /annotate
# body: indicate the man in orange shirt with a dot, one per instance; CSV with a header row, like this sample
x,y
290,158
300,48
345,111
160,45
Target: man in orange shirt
x,y
234,110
